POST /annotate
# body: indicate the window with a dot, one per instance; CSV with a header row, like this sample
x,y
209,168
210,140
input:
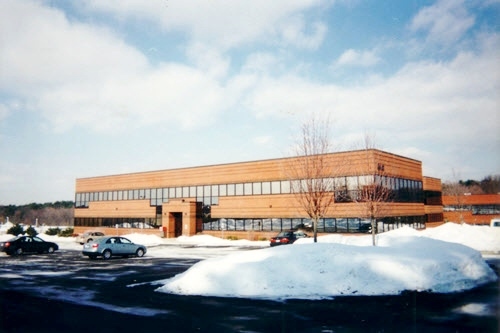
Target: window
x,y
276,187
257,188
266,188
231,189
215,190
207,191
286,186
247,188
192,191
223,190
239,189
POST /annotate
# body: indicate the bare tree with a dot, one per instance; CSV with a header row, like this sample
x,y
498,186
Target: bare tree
x,y
374,191
457,190
310,171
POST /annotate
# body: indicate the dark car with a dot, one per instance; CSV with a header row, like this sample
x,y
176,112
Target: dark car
x,y
27,244
107,247
287,237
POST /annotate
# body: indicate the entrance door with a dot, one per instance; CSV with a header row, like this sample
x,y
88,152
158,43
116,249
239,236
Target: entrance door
x,y
178,224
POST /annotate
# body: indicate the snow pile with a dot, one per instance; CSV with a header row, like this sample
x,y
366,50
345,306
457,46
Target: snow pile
x,y
481,238
206,241
404,260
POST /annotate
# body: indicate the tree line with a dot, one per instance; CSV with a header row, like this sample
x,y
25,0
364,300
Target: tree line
x,y
488,185
57,213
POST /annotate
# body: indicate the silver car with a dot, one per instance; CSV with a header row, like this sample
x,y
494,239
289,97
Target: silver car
x,y
107,247
89,236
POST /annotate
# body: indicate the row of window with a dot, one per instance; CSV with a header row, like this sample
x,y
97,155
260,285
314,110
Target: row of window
x,y
346,189
343,225
139,223
475,209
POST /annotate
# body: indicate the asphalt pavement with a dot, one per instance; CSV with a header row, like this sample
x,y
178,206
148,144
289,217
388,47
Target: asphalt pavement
x,y
66,292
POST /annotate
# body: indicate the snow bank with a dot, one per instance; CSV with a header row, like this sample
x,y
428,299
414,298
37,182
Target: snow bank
x,y
482,238
326,270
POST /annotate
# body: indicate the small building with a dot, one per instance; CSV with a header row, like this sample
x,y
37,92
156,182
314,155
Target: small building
x,y
254,199
471,208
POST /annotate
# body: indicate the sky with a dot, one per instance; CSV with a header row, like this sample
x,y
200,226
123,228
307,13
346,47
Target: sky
x,y
91,88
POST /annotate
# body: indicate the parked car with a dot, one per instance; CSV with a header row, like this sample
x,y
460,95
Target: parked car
x,y
27,244
89,236
365,227
287,237
495,222
107,247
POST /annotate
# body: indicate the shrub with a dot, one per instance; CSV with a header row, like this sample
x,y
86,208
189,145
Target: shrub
x,y
232,237
68,232
53,231
16,230
31,231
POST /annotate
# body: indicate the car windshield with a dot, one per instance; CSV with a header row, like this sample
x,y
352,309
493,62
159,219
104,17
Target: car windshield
x,y
285,234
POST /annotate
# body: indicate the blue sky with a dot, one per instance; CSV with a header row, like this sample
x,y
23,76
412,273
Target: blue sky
x,y
91,87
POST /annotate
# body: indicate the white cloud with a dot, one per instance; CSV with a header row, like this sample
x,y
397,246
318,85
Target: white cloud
x,y
260,62
424,102
87,76
294,32
209,60
445,22
41,49
356,58
219,22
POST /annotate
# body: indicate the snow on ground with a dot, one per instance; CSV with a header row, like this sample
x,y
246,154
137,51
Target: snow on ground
x,y
443,259
324,270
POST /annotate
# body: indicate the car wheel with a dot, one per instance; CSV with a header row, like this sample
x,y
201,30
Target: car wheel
x,y
89,240
50,249
106,254
19,251
139,252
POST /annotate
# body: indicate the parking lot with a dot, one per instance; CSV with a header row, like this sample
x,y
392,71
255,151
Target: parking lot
x,y
65,292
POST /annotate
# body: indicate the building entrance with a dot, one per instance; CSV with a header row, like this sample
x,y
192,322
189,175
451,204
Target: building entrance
x,y
177,224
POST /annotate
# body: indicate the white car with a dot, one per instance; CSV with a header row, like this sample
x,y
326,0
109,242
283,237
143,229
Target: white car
x,y
89,236
495,222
